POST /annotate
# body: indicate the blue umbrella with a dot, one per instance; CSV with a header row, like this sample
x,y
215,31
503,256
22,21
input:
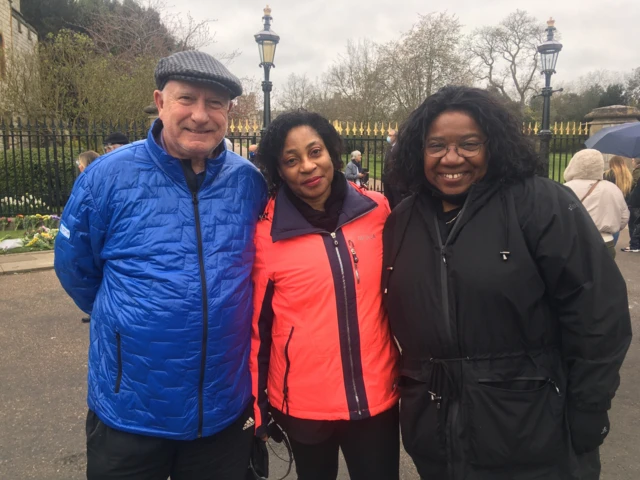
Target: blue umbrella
x,y
621,140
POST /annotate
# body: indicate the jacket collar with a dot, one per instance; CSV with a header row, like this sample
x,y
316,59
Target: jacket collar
x,y
288,222
479,196
172,166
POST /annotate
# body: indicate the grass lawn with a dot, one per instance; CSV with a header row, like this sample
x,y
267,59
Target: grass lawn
x,y
11,234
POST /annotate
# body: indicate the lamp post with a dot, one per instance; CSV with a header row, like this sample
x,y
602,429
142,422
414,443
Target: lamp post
x,y
267,40
549,51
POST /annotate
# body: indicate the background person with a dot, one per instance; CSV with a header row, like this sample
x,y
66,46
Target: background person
x,y
392,192
512,316
353,171
114,140
633,201
620,174
603,200
85,158
253,149
156,243
83,161
322,357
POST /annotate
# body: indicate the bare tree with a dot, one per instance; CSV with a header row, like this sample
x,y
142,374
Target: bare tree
x,y
506,55
19,94
296,93
633,87
327,102
133,29
424,59
249,105
355,79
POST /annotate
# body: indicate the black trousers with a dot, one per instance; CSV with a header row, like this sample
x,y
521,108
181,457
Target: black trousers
x,y
634,228
116,455
371,449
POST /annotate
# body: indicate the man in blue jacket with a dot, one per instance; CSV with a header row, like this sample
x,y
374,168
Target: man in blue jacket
x,y
156,243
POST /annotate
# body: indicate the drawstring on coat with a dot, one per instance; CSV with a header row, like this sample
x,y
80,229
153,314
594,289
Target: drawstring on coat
x,y
505,253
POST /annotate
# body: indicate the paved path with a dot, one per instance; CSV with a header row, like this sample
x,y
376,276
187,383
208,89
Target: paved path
x,y
43,368
25,262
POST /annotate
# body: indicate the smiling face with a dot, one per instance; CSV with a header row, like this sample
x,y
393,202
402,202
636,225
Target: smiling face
x,y
454,174
306,167
195,118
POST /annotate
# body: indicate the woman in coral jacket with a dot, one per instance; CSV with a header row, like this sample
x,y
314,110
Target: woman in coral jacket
x,y
323,360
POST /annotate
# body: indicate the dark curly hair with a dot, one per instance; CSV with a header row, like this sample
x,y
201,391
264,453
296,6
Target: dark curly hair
x,y
272,142
511,155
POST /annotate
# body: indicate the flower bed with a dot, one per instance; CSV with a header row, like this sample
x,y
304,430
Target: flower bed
x,y
39,232
29,222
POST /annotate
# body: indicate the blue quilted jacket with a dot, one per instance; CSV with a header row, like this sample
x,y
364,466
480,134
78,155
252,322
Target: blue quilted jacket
x,y
165,275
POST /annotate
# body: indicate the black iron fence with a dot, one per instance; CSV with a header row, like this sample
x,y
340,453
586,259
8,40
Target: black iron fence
x,y
37,159
561,149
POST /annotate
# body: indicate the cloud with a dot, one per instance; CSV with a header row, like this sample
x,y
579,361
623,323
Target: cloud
x,y
595,35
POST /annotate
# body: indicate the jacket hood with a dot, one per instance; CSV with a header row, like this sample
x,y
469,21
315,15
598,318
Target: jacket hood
x,y
585,165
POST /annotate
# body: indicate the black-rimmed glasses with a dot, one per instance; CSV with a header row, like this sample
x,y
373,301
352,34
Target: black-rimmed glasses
x,y
466,149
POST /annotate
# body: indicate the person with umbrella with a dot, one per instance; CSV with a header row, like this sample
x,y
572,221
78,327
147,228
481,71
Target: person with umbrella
x,y
633,200
621,140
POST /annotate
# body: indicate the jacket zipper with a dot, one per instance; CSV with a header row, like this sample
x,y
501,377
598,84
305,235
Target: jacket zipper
x,y
346,308
453,408
352,249
285,386
119,354
546,381
205,314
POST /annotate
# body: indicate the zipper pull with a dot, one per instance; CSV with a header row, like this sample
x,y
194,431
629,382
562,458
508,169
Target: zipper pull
x,y
335,240
555,385
194,198
435,398
355,259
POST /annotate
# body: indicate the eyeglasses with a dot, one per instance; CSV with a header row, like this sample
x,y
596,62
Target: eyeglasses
x,y
77,163
465,149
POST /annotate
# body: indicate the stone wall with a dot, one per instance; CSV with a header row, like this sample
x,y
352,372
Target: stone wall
x,y
18,36
25,38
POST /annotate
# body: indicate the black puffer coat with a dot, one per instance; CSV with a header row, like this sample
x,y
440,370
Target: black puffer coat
x,y
519,317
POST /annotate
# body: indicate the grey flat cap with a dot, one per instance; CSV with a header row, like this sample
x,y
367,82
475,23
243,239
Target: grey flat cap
x,y
192,66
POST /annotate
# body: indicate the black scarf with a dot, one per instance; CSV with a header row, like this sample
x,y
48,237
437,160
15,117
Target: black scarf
x,y
457,199
327,220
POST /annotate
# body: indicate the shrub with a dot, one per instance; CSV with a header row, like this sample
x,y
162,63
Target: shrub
x,y
38,175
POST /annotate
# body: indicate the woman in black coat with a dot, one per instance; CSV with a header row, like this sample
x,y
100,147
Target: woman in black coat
x,y
512,316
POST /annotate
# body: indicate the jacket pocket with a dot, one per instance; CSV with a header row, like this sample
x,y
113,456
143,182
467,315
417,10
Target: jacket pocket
x,y
119,359
421,422
518,421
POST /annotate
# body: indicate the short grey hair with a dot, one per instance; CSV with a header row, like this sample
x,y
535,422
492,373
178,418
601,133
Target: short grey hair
x,y
355,154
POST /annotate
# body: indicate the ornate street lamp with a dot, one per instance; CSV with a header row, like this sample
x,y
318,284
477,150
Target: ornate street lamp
x,y
549,51
267,40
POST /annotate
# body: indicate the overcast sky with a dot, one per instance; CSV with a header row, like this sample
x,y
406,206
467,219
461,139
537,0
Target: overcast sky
x,y
596,34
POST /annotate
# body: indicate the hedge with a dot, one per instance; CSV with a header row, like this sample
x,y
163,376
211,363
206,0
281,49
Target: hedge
x,y
39,173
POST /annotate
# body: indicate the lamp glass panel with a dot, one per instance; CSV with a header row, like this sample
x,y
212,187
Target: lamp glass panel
x,y
554,59
544,61
269,51
261,50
